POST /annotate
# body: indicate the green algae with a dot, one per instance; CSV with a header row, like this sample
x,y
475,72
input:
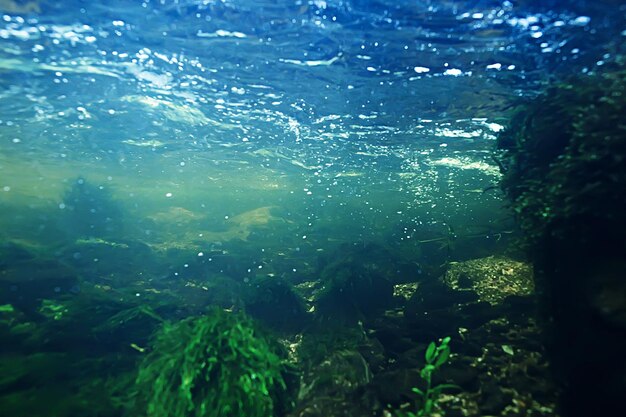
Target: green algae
x,y
210,366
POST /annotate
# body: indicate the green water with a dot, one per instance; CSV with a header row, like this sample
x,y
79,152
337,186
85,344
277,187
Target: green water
x,y
278,209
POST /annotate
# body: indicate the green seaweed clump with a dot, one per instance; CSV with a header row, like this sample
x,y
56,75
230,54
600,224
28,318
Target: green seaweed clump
x,y
563,158
216,365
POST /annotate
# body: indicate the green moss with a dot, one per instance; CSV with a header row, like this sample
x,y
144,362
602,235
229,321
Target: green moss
x,y
210,366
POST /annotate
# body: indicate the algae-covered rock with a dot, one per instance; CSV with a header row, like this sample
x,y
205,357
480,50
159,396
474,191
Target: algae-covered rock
x,y
274,301
354,284
563,157
563,161
493,278
340,373
338,364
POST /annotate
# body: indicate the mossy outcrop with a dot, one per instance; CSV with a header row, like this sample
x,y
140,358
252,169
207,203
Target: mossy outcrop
x,y
492,278
354,284
563,161
564,165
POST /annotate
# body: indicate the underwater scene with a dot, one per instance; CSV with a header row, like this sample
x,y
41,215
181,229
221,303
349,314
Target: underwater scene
x,y
312,208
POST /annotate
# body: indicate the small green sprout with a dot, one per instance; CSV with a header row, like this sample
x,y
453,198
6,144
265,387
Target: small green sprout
x,y
436,355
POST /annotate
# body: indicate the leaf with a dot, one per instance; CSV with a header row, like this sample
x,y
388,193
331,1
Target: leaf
x,y
508,350
427,371
428,406
442,357
418,391
430,352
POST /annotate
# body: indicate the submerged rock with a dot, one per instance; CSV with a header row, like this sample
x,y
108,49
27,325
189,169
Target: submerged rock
x,y
492,278
357,282
274,301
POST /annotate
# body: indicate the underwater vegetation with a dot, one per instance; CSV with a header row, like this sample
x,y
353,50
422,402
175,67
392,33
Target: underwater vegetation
x,y
564,171
436,355
216,209
160,353
216,365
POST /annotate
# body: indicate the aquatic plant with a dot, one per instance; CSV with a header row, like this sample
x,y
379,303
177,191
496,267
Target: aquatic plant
x,y
435,356
217,365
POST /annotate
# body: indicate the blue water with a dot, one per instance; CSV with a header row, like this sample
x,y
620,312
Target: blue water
x,y
260,135
338,105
